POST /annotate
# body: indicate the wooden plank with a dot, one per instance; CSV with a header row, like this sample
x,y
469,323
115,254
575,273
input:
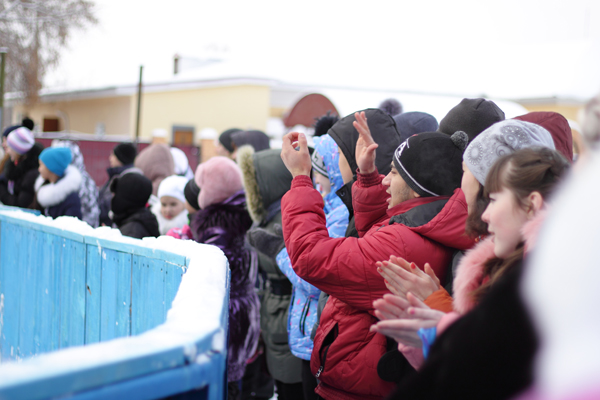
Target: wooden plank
x,y
116,294
173,274
47,261
30,293
10,290
148,299
73,291
135,247
93,282
44,228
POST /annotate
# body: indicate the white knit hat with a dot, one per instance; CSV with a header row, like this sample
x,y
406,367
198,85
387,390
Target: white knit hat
x,y
173,186
502,138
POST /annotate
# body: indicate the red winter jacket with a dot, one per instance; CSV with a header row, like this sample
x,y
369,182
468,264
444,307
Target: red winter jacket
x,y
345,352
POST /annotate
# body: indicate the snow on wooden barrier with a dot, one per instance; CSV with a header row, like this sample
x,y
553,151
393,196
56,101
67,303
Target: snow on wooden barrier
x,y
65,284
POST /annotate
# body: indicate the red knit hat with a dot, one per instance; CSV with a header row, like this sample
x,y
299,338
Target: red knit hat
x,y
559,128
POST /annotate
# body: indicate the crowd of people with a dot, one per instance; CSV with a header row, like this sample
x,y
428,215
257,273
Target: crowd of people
x,y
390,258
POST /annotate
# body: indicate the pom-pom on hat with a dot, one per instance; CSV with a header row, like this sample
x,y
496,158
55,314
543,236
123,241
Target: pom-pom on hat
x,y
172,186
500,139
125,153
431,162
56,159
218,179
20,140
471,116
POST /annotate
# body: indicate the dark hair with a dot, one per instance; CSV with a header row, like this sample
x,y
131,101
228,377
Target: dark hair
x,y
533,169
475,226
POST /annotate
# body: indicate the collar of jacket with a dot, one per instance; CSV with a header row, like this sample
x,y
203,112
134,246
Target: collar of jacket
x,y
408,205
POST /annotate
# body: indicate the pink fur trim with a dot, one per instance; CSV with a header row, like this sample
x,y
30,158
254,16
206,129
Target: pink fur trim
x,y
470,274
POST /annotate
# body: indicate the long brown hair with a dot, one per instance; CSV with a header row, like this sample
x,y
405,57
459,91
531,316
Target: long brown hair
x,y
534,169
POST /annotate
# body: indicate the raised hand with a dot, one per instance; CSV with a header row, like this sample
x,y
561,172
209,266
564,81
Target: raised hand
x,y
296,161
365,146
402,277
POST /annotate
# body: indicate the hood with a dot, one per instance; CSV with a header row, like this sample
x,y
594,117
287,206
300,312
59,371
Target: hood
x,y
257,139
559,128
52,194
144,216
384,131
327,148
266,179
469,274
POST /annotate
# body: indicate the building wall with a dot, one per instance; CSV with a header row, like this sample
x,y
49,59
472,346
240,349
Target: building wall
x,y
220,108
83,115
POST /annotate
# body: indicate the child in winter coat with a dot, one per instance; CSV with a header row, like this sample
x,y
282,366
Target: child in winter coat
x,y
88,192
128,206
120,162
20,169
57,187
170,211
223,221
190,192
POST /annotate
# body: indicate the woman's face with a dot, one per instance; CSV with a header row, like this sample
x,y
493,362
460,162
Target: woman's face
x,y
170,207
505,218
4,145
13,154
470,187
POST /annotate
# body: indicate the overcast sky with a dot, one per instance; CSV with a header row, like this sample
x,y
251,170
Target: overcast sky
x,y
509,49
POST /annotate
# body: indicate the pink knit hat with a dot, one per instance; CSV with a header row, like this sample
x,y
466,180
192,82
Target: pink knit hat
x,y
218,179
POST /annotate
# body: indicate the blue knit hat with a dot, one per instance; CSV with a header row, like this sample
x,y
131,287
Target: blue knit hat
x,y
56,159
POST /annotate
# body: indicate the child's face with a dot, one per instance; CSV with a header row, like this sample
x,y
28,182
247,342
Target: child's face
x,y
170,207
44,171
324,186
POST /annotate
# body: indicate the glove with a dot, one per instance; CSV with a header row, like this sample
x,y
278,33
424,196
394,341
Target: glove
x,y
266,242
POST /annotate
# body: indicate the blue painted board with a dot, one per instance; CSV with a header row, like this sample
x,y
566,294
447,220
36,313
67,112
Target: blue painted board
x,y
93,294
10,291
116,294
72,291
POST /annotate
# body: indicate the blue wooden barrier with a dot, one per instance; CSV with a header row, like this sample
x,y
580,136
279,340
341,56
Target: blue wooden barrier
x,y
151,313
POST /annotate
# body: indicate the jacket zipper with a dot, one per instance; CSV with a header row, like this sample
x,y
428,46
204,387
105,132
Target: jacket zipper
x,y
324,356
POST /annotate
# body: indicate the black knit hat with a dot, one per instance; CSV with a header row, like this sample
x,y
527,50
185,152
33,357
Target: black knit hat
x,y
225,138
125,153
414,122
9,130
191,192
471,116
132,192
431,162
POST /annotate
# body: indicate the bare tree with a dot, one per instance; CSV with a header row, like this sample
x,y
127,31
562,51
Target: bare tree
x,y
35,32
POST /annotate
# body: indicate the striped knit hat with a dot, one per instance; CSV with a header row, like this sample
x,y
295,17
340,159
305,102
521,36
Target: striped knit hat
x,y
20,140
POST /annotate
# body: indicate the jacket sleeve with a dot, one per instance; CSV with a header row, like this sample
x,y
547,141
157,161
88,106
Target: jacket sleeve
x,y
369,200
343,267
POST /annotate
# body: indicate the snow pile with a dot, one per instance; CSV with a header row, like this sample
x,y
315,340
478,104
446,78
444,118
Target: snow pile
x,y
196,313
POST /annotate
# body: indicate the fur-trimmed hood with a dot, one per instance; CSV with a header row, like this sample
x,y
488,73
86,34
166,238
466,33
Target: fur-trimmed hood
x,y
266,179
469,274
51,194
